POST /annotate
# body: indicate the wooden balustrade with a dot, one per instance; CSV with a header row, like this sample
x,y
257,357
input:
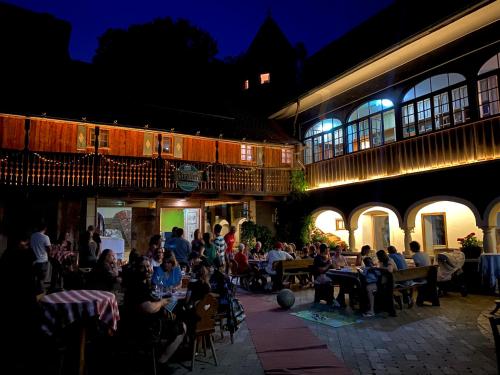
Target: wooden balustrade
x,y
79,170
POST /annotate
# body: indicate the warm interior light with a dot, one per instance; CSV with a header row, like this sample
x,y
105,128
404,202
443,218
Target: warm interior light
x,y
265,78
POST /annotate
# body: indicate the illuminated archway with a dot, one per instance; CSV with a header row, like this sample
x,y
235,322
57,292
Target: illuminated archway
x,y
378,225
438,222
492,225
331,221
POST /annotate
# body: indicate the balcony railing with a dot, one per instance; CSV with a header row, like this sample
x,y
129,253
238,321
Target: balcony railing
x,y
469,143
112,172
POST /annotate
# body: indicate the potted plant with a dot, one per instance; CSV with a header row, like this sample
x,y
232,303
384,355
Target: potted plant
x,y
471,246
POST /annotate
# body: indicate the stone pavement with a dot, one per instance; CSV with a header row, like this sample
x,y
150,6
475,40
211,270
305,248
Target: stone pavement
x,y
451,339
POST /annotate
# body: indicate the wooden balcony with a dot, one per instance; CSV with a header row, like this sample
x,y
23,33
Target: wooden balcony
x,y
59,170
460,145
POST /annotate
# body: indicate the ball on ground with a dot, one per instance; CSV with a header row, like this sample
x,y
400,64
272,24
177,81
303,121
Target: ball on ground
x,y
285,298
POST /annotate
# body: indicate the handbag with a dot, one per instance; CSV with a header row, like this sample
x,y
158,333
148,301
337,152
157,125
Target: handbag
x,y
237,312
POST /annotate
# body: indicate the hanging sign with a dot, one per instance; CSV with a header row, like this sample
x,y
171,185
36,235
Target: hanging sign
x,y
187,177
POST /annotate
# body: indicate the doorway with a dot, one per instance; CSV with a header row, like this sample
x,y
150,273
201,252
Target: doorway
x,y
186,218
381,231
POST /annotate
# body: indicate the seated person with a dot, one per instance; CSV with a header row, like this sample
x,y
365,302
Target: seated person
x,y
371,275
104,276
365,252
242,260
169,273
157,257
322,283
398,258
338,260
142,307
420,258
385,262
275,255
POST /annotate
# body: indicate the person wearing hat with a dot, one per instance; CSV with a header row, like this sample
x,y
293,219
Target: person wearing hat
x,y
275,255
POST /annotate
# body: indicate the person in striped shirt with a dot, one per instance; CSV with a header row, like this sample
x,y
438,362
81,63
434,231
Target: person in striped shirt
x,y
219,242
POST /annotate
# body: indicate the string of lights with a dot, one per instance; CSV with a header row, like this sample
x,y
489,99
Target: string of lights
x,y
58,162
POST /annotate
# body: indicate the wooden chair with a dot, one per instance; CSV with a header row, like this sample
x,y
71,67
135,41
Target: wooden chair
x,y
237,278
206,310
494,322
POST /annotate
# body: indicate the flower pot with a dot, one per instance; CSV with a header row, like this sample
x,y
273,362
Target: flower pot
x,y
472,252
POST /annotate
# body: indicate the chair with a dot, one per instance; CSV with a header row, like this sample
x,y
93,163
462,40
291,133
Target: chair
x,y
206,310
494,322
240,279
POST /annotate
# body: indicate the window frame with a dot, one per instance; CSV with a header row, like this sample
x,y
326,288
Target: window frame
x,y
286,156
363,134
318,141
103,135
485,75
246,153
433,116
434,247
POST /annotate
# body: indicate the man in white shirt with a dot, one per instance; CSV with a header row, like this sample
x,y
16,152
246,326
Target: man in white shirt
x,y
40,244
275,255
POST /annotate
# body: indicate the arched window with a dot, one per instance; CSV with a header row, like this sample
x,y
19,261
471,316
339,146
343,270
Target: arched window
x,y
426,106
372,124
323,140
487,87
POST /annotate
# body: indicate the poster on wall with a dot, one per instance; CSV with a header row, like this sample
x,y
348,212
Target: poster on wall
x,y
117,223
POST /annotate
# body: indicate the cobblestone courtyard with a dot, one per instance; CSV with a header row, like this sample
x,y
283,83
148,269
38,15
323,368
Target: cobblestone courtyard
x,y
452,339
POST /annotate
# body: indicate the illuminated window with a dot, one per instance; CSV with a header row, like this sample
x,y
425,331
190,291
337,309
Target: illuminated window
x,y
427,104
246,153
339,224
372,124
319,140
265,78
246,84
166,145
286,156
487,87
103,137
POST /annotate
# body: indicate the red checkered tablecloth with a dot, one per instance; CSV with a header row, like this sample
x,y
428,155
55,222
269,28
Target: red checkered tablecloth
x,y
63,308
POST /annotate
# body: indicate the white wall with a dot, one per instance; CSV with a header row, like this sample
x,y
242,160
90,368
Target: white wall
x,y
460,221
326,221
364,233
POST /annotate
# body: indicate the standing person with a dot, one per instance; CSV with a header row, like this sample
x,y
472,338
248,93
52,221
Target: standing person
x,y
210,250
229,239
182,248
96,237
170,243
220,244
40,244
421,259
196,243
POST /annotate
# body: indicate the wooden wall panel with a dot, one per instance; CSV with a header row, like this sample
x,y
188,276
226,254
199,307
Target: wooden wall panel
x,y
230,153
12,133
197,149
125,142
272,157
52,136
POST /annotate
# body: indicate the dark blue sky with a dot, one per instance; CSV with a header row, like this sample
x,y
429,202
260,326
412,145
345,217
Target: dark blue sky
x,y
232,23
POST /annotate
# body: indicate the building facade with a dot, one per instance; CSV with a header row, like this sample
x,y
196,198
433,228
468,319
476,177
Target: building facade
x,y
405,144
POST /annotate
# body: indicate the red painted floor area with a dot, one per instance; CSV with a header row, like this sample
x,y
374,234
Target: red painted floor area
x,y
284,344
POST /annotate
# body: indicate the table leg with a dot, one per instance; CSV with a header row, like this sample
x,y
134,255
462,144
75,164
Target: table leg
x,y
83,338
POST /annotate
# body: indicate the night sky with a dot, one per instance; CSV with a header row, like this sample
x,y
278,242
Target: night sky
x,y
233,24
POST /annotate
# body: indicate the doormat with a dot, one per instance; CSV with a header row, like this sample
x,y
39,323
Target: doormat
x,y
324,316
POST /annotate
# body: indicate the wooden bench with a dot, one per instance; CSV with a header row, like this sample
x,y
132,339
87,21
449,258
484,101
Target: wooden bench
x,y
288,269
421,279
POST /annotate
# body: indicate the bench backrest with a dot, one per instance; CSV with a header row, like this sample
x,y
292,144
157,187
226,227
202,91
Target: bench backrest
x,y
296,264
415,273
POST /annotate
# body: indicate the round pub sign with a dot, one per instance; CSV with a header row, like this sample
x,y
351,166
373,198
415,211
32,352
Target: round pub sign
x,y
187,177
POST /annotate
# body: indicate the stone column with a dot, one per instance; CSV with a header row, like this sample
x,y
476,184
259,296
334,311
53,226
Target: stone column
x,y
489,239
352,241
408,239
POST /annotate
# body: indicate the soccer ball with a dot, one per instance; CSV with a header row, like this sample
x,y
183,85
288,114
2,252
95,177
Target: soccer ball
x,y
285,298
